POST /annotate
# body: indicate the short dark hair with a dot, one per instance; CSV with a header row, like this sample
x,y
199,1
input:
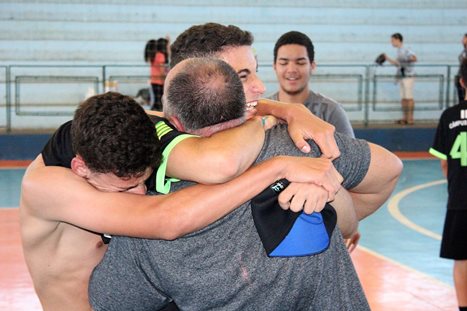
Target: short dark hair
x,y
153,46
397,36
463,71
295,37
150,50
113,134
206,92
206,40
162,47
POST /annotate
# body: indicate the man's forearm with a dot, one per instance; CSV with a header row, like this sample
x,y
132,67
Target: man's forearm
x,y
444,167
218,158
379,182
347,220
202,204
195,207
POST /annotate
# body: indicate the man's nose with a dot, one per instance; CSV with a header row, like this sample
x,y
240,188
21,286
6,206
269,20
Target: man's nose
x,y
259,87
291,67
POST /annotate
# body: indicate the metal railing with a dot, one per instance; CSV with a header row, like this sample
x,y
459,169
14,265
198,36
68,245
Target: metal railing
x,y
368,93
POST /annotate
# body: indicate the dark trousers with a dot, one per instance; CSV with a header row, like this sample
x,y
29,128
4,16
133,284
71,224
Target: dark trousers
x,y
460,89
157,92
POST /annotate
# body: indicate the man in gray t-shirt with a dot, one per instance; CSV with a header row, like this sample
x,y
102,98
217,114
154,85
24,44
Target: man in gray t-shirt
x,y
293,63
225,266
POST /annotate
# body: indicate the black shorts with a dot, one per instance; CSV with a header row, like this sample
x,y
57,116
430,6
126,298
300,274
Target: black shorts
x,y
454,241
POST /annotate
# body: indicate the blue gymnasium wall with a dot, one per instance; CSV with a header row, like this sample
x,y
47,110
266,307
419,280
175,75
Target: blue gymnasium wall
x,y
26,147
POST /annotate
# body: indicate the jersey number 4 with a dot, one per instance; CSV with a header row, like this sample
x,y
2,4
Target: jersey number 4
x,y
459,148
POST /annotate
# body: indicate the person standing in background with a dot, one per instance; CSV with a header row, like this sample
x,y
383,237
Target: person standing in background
x,y
450,146
462,57
156,53
405,75
293,63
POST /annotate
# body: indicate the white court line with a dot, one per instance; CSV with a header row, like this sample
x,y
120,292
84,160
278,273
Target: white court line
x,y
393,207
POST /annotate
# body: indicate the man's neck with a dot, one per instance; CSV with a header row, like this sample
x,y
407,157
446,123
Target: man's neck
x,y
210,130
293,98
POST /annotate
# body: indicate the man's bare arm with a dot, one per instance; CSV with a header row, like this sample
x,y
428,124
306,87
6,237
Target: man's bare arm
x,y
378,184
347,220
226,154
218,158
58,195
444,167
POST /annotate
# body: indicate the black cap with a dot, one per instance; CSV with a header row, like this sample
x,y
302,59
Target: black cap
x,y
285,233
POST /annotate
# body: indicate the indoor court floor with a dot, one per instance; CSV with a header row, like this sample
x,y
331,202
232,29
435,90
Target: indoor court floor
x,y
397,259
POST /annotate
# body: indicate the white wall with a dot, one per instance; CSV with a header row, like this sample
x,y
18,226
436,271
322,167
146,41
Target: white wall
x,y
115,31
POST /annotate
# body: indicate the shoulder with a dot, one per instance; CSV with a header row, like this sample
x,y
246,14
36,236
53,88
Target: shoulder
x,y
321,105
278,142
453,111
58,151
318,97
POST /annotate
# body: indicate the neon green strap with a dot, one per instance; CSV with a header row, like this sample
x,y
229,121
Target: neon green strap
x,y
163,184
437,154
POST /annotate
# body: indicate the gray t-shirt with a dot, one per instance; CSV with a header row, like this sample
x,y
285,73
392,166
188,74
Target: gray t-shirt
x,y
224,266
328,110
403,57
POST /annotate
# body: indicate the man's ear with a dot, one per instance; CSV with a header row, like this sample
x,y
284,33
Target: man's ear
x,y
176,122
313,66
79,167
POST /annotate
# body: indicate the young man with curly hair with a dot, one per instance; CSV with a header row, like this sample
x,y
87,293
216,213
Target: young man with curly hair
x,y
83,186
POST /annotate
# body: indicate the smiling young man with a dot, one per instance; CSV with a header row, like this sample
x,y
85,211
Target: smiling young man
x,y
294,63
